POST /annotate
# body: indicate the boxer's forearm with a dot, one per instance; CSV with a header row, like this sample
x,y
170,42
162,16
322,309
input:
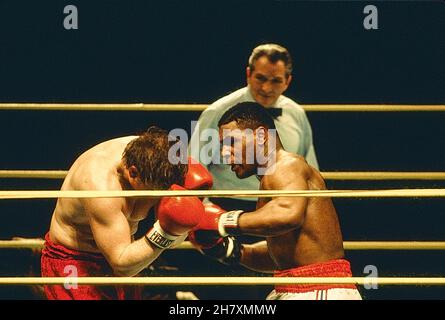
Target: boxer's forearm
x,y
277,217
256,257
266,226
134,258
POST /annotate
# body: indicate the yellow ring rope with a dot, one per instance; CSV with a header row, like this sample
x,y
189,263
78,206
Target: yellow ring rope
x,y
330,175
34,174
227,193
201,107
389,193
348,245
245,281
382,175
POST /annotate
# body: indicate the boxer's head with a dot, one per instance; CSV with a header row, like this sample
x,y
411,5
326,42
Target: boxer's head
x,y
269,73
247,138
146,161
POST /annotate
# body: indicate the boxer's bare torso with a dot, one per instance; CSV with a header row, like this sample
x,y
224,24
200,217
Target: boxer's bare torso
x,y
96,169
318,238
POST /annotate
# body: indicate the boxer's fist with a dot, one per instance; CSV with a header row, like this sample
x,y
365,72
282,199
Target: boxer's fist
x,y
207,239
227,251
215,223
197,177
205,235
176,216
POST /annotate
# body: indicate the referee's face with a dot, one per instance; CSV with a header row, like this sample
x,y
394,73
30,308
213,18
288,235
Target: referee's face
x,y
267,81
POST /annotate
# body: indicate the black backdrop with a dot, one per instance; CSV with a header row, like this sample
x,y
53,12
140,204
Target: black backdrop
x,y
195,52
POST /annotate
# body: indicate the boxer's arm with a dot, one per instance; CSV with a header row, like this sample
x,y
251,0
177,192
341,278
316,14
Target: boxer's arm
x,y
281,214
112,235
256,257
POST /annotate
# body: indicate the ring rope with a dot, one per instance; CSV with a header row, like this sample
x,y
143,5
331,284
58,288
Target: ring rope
x,y
348,245
382,175
34,174
329,175
245,281
202,107
388,193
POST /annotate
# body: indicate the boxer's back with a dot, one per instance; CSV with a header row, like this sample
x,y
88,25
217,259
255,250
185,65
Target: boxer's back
x,y
319,237
95,169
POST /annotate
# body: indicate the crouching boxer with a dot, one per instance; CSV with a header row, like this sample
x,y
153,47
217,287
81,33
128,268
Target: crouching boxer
x,y
302,235
95,237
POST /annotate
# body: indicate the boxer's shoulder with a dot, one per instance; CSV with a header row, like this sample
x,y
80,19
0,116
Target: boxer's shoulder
x,y
287,168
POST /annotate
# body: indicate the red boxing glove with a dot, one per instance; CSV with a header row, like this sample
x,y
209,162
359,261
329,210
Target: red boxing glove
x,y
197,177
176,216
205,235
208,240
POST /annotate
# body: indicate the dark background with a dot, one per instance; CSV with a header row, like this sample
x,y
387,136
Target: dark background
x,y
195,52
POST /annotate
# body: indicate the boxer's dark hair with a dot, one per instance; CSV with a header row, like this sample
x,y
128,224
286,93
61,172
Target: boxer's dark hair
x,y
149,154
273,52
248,115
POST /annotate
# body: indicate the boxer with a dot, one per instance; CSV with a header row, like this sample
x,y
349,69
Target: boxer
x,y
302,235
95,237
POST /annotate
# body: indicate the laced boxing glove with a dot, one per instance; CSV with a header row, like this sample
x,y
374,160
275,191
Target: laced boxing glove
x,y
176,217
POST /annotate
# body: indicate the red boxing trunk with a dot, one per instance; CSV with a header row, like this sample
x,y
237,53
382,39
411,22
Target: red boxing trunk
x,y
332,268
58,261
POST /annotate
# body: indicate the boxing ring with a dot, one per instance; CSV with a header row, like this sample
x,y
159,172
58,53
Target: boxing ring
x,y
37,244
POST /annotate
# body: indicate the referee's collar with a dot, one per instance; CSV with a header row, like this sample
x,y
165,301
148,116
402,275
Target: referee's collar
x,y
274,111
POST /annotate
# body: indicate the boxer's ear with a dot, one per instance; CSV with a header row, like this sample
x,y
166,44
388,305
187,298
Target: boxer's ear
x,y
133,172
261,135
